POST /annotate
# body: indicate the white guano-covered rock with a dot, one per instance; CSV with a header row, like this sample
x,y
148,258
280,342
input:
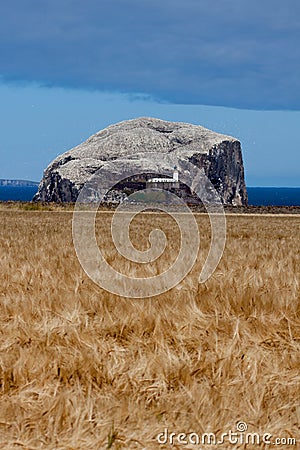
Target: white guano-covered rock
x,y
219,155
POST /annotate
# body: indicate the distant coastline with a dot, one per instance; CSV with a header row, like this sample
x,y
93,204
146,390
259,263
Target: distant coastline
x,y
18,183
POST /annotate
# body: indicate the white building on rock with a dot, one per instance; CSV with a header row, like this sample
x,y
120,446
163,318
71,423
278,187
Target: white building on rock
x,y
164,183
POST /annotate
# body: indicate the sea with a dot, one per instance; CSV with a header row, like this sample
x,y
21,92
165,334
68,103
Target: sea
x,y
258,196
17,193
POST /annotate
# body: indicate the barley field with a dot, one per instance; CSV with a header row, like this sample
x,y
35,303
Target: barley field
x,y
81,368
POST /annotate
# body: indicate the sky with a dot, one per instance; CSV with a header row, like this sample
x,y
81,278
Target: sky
x,y
69,68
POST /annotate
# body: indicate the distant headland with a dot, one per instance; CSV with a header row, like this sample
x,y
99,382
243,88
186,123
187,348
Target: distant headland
x,y
18,183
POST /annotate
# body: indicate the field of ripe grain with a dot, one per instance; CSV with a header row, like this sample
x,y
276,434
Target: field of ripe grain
x,y
81,368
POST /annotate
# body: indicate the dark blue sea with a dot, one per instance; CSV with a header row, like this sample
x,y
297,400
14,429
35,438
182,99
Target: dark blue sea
x,y
258,196
272,196
17,193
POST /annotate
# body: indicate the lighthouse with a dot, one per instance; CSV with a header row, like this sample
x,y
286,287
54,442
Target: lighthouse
x,y
175,174
164,183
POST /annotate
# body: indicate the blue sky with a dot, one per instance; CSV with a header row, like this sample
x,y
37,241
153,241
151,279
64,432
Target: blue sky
x,y
69,68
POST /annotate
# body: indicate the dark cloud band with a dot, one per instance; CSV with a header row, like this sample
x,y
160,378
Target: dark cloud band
x,y
232,53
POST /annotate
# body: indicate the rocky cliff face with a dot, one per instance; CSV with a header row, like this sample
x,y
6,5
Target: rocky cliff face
x,y
118,145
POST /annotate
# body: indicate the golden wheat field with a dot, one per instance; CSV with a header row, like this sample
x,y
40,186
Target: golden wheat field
x,y
81,368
